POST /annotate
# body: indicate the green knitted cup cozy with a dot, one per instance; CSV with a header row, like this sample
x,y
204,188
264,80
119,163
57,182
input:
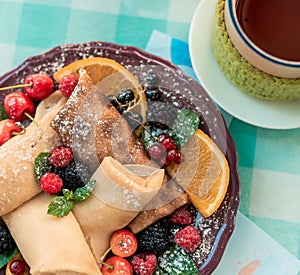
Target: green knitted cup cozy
x,y
240,72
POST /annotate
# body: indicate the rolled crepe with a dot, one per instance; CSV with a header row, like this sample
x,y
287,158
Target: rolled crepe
x,y
17,183
118,197
94,129
50,245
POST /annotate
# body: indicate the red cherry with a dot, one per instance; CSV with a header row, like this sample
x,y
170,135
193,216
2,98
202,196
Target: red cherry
x,y
116,265
7,128
68,84
41,86
16,104
123,243
17,267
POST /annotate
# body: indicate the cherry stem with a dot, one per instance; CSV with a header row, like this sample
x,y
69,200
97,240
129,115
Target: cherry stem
x,y
110,267
101,261
36,123
21,126
15,86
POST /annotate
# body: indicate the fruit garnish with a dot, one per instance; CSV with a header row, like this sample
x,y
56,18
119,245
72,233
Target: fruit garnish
x,y
61,205
42,165
188,238
61,156
123,243
154,238
210,182
17,266
144,263
7,243
18,106
38,86
116,265
51,183
68,84
181,216
175,260
8,129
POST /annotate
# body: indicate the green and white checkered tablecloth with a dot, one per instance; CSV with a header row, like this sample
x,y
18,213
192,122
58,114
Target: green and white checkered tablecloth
x,y
269,160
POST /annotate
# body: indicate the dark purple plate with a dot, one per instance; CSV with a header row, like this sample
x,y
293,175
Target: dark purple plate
x,y
215,230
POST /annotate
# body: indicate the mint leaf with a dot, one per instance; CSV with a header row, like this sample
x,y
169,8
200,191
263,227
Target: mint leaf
x,y
185,126
68,194
3,114
42,165
60,206
84,192
175,261
5,258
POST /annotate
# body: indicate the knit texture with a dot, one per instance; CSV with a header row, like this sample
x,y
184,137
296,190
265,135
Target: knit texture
x,y
241,73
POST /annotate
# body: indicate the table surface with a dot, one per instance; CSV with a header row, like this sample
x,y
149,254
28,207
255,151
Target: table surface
x,y
269,160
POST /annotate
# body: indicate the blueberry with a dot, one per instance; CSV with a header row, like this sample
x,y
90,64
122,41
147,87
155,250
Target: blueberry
x,y
153,94
152,79
122,109
125,96
112,99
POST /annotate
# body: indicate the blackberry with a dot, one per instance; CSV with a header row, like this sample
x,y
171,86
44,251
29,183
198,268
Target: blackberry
x,y
7,243
155,238
161,114
74,176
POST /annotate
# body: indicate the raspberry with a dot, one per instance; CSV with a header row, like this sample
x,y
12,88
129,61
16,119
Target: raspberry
x,y
181,216
188,238
68,84
61,156
51,183
144,263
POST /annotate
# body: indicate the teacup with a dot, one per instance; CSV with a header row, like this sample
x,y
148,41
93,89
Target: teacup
x,y
266,33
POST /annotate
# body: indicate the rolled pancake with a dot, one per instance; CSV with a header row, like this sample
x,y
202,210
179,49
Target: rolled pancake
x,y
50,245
94,129
17,182
118,197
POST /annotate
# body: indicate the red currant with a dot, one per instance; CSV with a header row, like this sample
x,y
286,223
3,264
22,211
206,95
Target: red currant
x,y
41,86
17,267
67,84
169,144
7,129
157,152
176,156
17,104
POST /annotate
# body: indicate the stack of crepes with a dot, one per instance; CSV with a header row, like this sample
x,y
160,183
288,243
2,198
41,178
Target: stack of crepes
x,y
101,138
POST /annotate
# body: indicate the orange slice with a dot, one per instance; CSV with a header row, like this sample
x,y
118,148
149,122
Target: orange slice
x,y
110,76
205,173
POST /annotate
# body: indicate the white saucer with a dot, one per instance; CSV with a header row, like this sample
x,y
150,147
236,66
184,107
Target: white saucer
x,y
273,115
